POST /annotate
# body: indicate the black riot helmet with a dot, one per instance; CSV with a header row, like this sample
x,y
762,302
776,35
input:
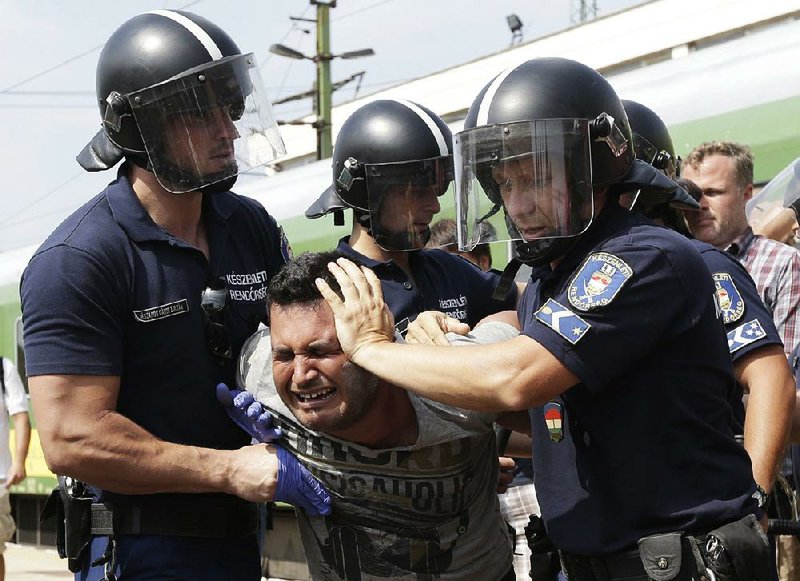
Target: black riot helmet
x,y
536,140
653,145
391,161
178,98
651,139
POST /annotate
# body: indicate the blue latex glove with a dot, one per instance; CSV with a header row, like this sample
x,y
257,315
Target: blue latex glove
x,y
248,413
297,486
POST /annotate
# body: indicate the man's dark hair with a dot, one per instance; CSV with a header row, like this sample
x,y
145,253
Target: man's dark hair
x,y
295,281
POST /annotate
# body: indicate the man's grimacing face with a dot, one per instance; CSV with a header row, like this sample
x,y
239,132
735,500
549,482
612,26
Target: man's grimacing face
x,y
313,377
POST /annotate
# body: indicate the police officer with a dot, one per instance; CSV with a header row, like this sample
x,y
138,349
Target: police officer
x,y
137,305
392,162
621,360
756,348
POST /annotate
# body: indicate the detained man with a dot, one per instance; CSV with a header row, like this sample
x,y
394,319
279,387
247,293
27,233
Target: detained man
x,y
412,481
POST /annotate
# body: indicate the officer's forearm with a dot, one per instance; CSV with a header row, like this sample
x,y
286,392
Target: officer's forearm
x,y
121,457
84,437
511,375
767,377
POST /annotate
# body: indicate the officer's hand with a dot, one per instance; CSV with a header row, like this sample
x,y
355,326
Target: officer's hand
x,y
362,317
297,486
430,326
506,474
248,413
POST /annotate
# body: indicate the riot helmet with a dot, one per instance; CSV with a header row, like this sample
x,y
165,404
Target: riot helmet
x,y
178,98
651,139
653,145
536,140
391,162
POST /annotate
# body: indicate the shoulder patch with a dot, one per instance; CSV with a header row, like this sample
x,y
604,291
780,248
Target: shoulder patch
x,y
562,321
731,303
598,281
745,334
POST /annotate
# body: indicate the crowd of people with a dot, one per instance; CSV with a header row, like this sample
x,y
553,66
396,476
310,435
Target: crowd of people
x,y
624,413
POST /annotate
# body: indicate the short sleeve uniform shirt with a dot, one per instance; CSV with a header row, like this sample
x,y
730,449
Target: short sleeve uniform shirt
x,y
442,282
643,444
111,293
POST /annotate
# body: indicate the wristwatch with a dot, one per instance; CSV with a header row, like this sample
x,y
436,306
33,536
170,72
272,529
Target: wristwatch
x,y
761,496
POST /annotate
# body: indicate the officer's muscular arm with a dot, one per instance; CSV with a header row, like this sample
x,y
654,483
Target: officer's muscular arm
x,y
766,376
83,436
511,375
505,376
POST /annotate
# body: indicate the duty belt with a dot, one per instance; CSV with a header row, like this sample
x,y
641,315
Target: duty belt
x,y
217,522
625,564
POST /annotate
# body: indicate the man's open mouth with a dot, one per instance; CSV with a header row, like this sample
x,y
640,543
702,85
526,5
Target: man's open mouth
x,y
317,396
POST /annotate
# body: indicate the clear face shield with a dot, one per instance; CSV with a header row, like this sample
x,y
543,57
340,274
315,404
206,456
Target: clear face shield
x,y
403,199
767,211
207,125
538,172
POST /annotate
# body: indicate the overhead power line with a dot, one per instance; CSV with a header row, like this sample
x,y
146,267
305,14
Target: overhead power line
x,y
69,60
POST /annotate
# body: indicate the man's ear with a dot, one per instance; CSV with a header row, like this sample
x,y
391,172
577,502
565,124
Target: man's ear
x,y
748,192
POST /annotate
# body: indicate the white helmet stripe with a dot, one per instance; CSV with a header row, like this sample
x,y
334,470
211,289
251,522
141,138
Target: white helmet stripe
x,y
195,29
488,97
435,131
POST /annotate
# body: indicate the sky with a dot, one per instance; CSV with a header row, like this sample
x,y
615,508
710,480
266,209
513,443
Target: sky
x,y
49,50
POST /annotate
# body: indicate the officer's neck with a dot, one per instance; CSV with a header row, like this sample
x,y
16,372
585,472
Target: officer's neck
x,y
363,243
178,214
600,198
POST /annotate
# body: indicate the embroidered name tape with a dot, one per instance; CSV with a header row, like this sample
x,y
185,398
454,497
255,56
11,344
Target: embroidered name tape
x,y
731,303
745,334
598,281
162,311
562,321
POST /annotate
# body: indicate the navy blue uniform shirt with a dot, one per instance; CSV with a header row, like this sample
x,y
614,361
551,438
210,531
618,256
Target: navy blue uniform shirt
x,y
112,293
442,282
647,440
748,323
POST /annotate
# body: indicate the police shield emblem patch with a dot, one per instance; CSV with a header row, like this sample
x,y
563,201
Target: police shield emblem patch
x,y
598,281
731,303
562,321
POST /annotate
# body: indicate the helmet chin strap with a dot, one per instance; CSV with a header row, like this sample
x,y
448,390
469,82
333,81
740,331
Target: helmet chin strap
x,y
171,174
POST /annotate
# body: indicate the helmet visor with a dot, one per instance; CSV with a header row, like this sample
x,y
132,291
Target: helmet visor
x,y
537,172
403,199
208,124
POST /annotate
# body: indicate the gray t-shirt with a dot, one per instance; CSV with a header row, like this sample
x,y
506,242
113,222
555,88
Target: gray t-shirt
x,y
424,511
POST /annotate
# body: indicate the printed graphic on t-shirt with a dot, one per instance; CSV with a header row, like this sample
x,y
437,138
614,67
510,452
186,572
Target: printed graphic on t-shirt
x,y
402,513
